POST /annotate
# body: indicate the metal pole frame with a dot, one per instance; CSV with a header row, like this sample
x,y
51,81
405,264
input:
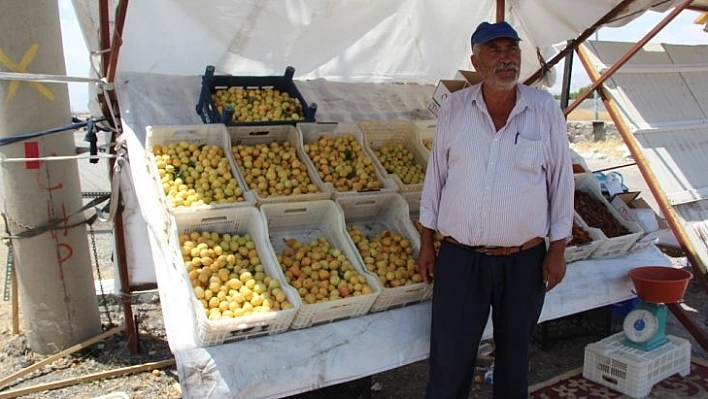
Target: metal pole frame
x,y
111,50
643,165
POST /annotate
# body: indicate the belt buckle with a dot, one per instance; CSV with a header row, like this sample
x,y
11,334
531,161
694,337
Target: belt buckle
x,y
487,250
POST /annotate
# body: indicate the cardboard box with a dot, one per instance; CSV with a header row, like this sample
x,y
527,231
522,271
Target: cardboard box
x,y
442,90
471,77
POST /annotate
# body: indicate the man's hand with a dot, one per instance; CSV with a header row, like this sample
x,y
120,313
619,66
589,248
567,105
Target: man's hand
x,y
426,256
554,264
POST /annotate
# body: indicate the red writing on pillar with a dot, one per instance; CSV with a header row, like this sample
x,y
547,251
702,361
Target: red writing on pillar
x,y
38,178
64,251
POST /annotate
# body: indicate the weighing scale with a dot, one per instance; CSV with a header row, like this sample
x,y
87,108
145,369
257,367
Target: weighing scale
x,y
645,326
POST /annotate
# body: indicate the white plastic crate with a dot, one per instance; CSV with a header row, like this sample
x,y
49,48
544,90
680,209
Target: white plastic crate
x,y
633,371
413,200
243,220
373,213
609,246
425,130
311,132
580,252
379,133
252,135
213,134
306,221
577,159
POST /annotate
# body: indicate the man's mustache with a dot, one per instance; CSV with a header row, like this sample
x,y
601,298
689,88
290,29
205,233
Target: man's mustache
x,y
506,65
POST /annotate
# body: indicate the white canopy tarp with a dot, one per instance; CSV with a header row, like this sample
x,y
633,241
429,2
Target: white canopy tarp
x,y
338,40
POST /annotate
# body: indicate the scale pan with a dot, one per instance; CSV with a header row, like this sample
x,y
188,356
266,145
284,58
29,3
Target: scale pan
x,y
660,284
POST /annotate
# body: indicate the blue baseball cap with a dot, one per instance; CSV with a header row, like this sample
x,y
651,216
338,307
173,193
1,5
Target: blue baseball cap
x,y
486,32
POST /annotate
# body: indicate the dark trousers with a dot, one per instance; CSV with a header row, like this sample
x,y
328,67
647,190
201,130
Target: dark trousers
x,y
467,285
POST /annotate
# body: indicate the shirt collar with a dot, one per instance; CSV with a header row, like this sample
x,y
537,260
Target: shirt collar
x,y
521,103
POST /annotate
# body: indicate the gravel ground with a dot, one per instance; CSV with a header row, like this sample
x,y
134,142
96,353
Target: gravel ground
x,y
550,356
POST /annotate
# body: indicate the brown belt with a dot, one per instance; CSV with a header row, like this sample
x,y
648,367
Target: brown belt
x,y
497,251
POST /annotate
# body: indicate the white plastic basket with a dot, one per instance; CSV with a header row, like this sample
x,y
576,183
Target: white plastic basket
x,y
584,251
633,371
609,246
306,221
212,134
311,132
243,220
379,133
373,213
252,135
425,130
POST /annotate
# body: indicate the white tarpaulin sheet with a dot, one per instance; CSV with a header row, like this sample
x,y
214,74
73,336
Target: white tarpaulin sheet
x,y
338,40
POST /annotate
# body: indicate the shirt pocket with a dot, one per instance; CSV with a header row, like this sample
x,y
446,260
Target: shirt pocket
x,y
528,155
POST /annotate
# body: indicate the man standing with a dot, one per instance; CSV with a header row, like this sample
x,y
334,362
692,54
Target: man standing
x,y
499,181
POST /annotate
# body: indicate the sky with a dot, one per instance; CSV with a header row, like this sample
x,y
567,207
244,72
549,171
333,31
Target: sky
x,y
681,30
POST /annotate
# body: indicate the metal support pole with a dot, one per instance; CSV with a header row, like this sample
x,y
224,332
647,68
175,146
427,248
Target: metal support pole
x,y
622,60
663,202
572,44
110,101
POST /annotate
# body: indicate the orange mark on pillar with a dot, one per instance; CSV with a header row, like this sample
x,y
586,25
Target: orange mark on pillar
x,y
65,252
58,186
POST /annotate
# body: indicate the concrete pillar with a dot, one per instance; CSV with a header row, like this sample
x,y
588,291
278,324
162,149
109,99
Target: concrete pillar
x,y
58,306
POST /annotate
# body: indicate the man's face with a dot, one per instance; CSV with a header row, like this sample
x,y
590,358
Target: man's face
x,y
498,61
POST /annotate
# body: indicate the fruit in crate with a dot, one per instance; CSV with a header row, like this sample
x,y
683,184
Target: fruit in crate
x,y
227,275
341,161
320,272
595,213
195,174
580,236
273,169
389,255
437,239
258,105
397,159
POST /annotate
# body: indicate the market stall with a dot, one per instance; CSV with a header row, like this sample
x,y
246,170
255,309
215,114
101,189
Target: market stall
x,y
304,359
352,82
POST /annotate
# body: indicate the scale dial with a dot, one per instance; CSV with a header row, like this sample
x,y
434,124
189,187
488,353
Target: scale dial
x,y
640,325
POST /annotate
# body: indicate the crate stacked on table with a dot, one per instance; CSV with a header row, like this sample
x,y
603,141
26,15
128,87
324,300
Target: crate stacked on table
x,y
273,165
425,130
585,240
237,290
252,100
309,238
379,227
192,167
398,152
618,233
342,161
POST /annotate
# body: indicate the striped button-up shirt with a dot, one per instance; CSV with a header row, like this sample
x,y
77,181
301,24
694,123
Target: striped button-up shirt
x,y
499,188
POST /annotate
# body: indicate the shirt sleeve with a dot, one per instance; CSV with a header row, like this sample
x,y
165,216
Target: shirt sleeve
x,y
561,183
435,173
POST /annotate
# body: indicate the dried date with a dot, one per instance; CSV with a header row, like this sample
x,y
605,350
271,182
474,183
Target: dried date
x,y
580,236
595,213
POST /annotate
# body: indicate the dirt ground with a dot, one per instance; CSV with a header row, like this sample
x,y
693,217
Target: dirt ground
x,y
559,347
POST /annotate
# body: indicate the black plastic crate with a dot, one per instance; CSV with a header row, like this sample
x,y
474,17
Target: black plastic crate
x,y
594,322
209,112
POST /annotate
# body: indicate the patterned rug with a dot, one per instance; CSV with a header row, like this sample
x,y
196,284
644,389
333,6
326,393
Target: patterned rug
x,y
572,385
